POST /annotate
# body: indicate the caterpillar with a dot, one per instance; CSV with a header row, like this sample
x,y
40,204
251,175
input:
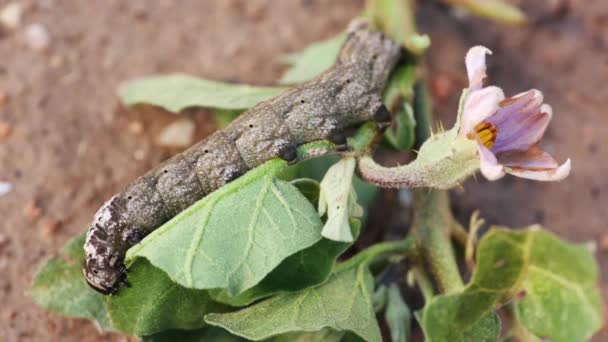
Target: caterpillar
x,y
346,95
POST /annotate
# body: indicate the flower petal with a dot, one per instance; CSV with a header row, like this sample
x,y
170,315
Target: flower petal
x,y
478,106
475,61
489,165
534,159
552,175
522,123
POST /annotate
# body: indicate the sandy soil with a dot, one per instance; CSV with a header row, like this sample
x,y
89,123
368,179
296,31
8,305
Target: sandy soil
x,y
70,145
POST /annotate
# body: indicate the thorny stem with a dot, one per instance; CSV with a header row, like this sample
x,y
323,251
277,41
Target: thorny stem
x,y
433,220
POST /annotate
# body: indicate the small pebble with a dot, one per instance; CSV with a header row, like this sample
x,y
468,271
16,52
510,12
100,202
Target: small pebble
x,y
10,15
136,127
603,242
180,133
3,241
37,37
32,211
5,130
56,61
3,98
5,188
139,154
51,227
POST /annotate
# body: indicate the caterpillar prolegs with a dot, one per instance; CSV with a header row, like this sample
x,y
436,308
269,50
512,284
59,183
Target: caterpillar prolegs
x,y
347,94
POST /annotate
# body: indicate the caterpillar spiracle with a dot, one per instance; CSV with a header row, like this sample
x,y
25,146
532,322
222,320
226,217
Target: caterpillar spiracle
x,y
346,95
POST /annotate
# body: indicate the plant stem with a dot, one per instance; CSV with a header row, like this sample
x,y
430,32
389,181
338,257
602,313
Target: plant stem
x,y
433,220
424,283
382,252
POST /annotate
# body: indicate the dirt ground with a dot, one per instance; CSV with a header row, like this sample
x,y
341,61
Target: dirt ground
x,y
66,145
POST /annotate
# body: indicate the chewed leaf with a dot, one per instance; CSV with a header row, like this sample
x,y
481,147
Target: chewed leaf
x,y
339,200
235,236
313,60
342,303
559,281
60,286
177,92
153,303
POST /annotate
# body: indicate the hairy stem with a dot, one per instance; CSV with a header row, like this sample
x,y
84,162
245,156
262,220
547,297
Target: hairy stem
x,y
431,228
433,220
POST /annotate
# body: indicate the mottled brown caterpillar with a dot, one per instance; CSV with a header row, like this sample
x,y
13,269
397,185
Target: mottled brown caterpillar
x,y
346,95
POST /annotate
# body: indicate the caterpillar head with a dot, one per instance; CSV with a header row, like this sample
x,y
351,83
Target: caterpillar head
x,y
104,278
104,270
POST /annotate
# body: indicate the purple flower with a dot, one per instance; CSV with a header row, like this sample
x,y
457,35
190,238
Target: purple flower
x,y
508,131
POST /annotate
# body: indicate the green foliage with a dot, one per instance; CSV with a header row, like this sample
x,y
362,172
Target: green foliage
x,y
396,19
440,322
497,10
343,303
154,303
206,334
306,268
397,315
559,281
219,243
177,92
398,96
313,60
323,335
339,200
60,286
562,300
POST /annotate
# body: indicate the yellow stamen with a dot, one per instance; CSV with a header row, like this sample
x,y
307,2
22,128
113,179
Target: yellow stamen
x,y
486,133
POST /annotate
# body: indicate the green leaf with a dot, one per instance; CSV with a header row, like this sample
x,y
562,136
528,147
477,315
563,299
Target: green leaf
x,y
339,200
396,19
440,322
206,334
317,167
310,188
235,236
343,303
177,92
323,335
398,96
562,301
60,286
497,10
313,60
559,280
397,315
154,303
306,268
401,135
